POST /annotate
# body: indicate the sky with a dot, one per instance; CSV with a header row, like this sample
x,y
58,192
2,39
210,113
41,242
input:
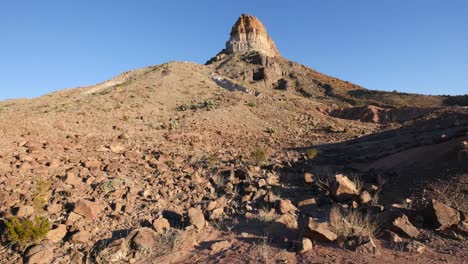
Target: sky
x,y
417,46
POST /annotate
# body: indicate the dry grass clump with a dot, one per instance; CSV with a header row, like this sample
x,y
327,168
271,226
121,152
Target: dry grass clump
x,y
259,155
351,223
41,193
169,242
265,217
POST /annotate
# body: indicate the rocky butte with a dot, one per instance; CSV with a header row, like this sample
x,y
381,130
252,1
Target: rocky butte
x,y
249,34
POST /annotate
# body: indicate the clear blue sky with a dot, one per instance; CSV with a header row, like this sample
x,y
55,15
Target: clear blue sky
x,y
416,46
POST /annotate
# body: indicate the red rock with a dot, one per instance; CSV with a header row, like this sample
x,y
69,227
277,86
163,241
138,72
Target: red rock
x,y
87,208
443,216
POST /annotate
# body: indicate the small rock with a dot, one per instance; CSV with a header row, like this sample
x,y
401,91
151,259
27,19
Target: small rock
x,y
216,213
343,189
145,239
320,230
72,179
443,216
308,178
118,148
415,246
286,206
93,164
25,211
306,245
161,225
117,251
87,208
81,237
56,235
40,254
221,245
283,228
369,248
404,226
365,197
211,206
196,218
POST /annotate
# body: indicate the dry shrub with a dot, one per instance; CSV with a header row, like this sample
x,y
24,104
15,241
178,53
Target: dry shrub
x,y
351,223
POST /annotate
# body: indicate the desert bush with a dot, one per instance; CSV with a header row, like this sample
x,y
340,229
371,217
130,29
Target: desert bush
x,y
251,104
24,232
259,155
312,153
40,195
270,130
351,223
265,217
169,242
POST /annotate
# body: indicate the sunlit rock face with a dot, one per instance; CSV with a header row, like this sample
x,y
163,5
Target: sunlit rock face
x,y
249,34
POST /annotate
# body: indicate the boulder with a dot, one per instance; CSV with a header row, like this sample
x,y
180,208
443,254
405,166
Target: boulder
x,y
443,216
145,239
56,235
283,228
403,226
196,218
93,164
87,209
40,254
221,245
320,231
343,189
308,178
82,237
161,225
25,211
286,206
306,245
365,197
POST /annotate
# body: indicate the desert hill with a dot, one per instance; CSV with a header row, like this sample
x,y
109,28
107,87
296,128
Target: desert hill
x,y
250,158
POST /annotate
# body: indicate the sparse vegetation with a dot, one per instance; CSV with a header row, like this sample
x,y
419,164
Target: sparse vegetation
x,y
265,216
125,118
251,104
183,107
312,153
169,242
351,223
41,193
270,130
24,232
259,155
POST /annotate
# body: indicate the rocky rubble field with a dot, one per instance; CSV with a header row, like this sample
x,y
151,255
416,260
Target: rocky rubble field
x,y
248,159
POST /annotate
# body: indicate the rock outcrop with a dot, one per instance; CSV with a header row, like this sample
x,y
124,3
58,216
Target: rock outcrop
x,y
249,34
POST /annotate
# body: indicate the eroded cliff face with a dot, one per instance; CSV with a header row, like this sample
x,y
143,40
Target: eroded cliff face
x,y
249,34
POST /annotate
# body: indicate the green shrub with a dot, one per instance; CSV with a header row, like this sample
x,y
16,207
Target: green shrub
x,y
25,232
270,130
251,104
312,153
